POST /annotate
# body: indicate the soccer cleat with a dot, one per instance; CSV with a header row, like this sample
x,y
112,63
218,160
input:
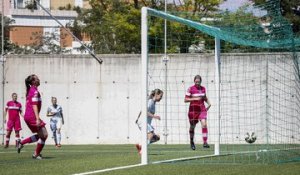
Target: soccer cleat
x,y
139,148
6,146
37,157
20,146
58,145
193,147
205,145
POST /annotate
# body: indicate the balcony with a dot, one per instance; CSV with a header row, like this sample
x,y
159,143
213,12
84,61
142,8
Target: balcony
x,y
41,13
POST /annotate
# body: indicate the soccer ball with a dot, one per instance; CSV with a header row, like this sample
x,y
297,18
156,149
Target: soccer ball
x,y
250,138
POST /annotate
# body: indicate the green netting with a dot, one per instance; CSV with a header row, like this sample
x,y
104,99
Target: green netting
x,y
259,88
262,27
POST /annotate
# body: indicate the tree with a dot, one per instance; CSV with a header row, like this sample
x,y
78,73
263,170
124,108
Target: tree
x,y
7,44
290,9
115,25
202,6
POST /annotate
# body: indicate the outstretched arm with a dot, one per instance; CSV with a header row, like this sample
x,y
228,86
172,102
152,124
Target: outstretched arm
x,y
5,117
208,103
153,116
62,117
37,115
49,113
5,112
21,114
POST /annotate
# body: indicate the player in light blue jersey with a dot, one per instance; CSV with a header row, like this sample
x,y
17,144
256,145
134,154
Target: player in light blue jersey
x,y
57,120
155,96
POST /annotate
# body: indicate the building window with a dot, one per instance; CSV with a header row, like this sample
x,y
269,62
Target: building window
x,y
20,4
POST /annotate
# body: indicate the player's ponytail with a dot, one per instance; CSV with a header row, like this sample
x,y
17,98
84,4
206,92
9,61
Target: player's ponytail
x,y
28,82
151,94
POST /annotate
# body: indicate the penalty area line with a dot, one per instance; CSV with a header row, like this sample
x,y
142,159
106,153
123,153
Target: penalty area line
x,y
110,169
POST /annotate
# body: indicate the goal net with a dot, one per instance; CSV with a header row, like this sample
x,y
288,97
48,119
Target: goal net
x,y
248,62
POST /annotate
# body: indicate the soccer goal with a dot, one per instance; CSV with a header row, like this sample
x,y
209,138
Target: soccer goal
x,y
249,65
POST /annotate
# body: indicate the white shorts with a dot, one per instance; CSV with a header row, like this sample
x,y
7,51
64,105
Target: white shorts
x,y
55,123
150,128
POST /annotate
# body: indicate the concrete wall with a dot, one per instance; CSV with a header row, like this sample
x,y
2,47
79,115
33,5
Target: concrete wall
x,y
101,102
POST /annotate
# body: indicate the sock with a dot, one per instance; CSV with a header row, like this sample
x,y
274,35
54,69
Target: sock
x,y
192,133
39,147
17,138
58,138
204,134
55,137
7,140
30,139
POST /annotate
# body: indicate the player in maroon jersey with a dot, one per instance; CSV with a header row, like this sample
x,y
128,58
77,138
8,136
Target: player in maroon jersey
x,y
13,112
196,96
32,116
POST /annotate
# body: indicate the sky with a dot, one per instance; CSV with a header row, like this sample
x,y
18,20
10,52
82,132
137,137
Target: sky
x,y
233,5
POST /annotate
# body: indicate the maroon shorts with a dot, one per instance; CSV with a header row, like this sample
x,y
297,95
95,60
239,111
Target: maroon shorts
x,y
194,117
33,126
13,124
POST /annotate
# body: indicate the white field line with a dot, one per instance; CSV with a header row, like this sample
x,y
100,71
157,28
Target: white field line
x,y
206,156
184,159
175,160
110,169
11,152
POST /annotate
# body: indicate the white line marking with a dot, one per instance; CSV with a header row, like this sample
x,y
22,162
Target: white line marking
x,y
227,154
110,169
183,159
170,160
9,152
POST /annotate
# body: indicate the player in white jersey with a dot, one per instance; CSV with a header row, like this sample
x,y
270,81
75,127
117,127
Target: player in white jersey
x,y
57,120
155,96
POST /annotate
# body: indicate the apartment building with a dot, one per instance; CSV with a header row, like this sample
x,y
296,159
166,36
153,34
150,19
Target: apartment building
x,y
57,4
32,26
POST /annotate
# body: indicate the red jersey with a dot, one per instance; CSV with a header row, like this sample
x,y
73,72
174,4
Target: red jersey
x,y
33,98
13,108
195,91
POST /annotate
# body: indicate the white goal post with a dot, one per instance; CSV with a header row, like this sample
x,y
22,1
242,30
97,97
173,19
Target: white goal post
x,y
255,91
144,80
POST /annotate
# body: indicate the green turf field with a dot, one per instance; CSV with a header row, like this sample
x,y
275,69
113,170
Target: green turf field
x,y
78,159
